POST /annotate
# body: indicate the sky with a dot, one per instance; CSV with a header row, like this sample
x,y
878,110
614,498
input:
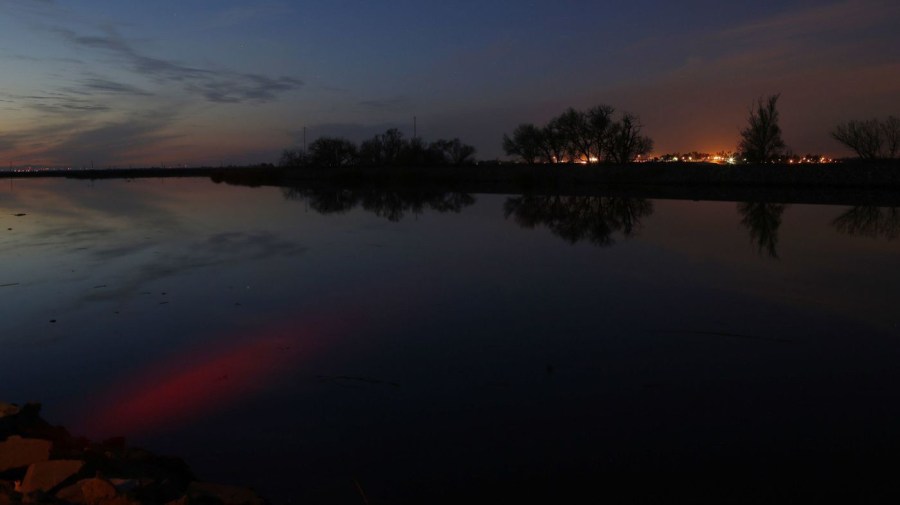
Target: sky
x,y
211,82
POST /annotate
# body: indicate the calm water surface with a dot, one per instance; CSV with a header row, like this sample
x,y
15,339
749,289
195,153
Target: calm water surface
x,y
433,347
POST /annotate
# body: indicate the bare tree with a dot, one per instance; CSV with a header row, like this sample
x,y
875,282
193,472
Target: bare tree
x,y
761,139
625,142
293,158
891,130
526,143
600,121
580,136
553,142
452,152
865,138
331,152
382,149
574,128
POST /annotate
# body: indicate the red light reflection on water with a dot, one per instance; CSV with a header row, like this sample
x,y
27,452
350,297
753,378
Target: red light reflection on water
x,y
195,384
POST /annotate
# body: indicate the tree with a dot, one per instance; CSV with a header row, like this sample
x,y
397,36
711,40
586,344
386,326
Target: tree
x,y
872,139
332,152
580,136
293,158
574,129
526,142
891,130
413,152
382,150
625,142
553,142
600,121
452,152
763,220
761,139
865,138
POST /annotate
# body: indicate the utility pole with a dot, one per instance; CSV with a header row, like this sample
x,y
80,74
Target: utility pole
x,y
304,139
415,127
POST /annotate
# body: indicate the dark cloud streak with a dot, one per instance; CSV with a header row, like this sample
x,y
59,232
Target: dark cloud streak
x,y
104,86
218,86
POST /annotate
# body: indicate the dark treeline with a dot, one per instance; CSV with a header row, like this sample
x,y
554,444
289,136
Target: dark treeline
x,y
389,149
593,219
596,135
392,205
580,218
590,136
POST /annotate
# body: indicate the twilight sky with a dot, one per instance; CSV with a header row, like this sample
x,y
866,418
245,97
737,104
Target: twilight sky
x,y
227,81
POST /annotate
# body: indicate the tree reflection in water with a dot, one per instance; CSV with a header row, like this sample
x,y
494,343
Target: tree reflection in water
x,y
580,218
392,205
763,221
870,221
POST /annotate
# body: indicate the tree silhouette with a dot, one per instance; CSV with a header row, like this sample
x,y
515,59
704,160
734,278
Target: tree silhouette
x,y
576,136
332,152
382,150
625,142
872,139
526,143
870,221
761,139
580,218
763,220
574,128
600,121
392,205
293,158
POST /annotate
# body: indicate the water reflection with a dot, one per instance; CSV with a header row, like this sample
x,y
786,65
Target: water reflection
x,y
392,205
763,220
580,218
870,221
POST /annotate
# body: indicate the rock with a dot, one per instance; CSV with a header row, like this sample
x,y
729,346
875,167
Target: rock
x,y
8,409
47,475
88,492
18,452
228,495
125,485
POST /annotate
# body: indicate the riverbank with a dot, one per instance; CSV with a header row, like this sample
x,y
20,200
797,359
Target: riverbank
x,y
836,184
42,463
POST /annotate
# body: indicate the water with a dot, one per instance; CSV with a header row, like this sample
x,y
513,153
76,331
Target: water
x,y
428,347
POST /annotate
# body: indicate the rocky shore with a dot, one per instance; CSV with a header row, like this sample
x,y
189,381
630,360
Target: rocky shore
x,y
41,463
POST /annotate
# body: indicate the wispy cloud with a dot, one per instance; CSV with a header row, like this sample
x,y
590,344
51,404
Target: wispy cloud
x,y
215,85
101,86
842,16
115,141
78,139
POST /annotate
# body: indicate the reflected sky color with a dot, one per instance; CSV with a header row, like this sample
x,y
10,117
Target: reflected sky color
x,y
193,385
239,327
171,83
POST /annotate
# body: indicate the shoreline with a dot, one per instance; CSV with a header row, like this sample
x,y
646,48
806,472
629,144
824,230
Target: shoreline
x,y
845,183
45,463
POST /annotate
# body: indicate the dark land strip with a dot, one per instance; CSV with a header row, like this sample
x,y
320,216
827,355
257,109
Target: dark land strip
x,y
875,184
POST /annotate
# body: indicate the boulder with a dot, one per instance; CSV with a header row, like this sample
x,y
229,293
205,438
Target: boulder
x,y
94,491
125,485
18,452
47,475
8,409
